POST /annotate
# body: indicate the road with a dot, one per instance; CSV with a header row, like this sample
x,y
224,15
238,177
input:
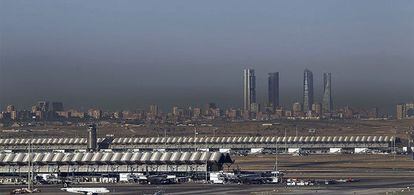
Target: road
x,y
365,186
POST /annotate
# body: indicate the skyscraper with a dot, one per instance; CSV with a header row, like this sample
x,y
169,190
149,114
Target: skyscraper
x,y
249,89
327,104
273,90
307,90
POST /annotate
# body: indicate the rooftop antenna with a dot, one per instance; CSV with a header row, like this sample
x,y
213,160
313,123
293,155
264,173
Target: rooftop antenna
x,y
276,164
30,170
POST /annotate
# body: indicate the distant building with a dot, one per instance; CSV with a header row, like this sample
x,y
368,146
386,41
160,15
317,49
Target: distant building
x,y
405,110
373,113
127,115
216,112
64,114
196,112
279,113
409,107
117,115
249,89
177,111
297,108
40,115
255,107
317,108
14,115
233,113
327,104
24,115
10,108
154,110
95,113
77,114
307,90
57,106
35,109
209,109
348,112
400,111
273,90
211,105
43,106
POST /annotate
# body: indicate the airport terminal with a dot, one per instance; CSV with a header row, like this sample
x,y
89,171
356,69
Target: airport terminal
x,y
110,159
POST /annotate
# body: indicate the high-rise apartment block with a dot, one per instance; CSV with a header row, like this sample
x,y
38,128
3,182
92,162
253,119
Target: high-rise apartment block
x,y
405,110
400,111
154,110
317,108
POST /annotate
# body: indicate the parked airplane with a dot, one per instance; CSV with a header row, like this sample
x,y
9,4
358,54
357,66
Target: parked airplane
x,y
86,191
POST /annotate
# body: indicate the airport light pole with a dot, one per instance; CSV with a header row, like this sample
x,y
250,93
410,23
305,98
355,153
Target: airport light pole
x,y
409,134
393,140
30,168
206,170
276,165
165,137
30,173
285,142
296,130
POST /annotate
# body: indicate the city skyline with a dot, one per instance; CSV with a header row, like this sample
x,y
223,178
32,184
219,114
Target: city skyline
x,y
131,54
325,105
250,95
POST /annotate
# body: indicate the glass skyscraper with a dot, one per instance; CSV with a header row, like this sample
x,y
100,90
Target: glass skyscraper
x,y
249,89
273,90
307,90
327,104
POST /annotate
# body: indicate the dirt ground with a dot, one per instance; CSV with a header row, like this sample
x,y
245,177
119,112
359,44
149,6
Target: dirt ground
x,y
341,162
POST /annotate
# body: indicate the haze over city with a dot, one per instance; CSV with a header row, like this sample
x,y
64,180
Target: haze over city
x,y
206,97
128,54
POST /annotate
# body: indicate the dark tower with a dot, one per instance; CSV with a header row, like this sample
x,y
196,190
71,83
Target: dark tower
x,y
273,90
307,90
92,140
327,104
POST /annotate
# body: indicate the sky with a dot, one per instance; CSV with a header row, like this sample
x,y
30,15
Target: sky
x,y
128,54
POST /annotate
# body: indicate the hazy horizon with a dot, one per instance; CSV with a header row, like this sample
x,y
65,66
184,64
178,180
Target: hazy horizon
x,y
120,55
